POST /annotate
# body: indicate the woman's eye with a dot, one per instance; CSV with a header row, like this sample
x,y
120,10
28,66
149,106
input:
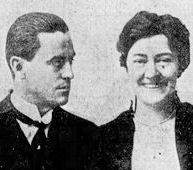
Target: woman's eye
x,y
140,61
167,60
164,61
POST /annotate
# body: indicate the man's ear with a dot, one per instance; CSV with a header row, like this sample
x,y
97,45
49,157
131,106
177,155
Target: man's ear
x,y
17,66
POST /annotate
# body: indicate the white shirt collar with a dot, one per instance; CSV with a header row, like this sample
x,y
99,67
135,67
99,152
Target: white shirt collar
x,y
30,110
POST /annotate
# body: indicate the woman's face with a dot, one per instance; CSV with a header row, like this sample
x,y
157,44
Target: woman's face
x,y
152,69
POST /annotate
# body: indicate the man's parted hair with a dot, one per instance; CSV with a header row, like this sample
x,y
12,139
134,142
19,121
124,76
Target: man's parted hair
x,y
22,38
145,24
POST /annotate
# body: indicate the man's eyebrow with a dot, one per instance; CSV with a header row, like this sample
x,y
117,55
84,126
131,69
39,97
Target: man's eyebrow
x,y
55,57
58,56
64,56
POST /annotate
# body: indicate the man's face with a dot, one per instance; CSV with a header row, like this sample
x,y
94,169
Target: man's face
x,y
152,68
49,74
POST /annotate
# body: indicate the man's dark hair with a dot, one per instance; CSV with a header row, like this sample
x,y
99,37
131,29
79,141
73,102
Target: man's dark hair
x,y
22,38
145,24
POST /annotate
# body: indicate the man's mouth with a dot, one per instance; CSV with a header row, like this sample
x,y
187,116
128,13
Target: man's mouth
x,y
65,88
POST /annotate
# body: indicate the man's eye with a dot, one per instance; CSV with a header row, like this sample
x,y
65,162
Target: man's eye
x,y
58,62
71,60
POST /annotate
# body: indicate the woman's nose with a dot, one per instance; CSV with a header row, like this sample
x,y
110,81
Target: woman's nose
x,y
150,70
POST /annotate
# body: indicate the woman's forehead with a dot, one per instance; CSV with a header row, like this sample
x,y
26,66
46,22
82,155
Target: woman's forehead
x,y
151,45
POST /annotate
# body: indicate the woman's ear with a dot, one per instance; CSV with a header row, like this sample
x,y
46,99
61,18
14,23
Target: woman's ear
x,y
17,66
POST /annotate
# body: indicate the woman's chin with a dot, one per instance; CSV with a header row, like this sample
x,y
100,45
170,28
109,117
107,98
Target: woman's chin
x,y
153,100
154,96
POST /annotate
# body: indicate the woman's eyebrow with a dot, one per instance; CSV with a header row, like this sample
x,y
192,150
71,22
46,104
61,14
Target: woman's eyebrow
x,y
140,55
164,54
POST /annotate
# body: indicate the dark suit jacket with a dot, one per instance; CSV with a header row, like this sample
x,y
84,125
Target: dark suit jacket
x,y
70,140
117,140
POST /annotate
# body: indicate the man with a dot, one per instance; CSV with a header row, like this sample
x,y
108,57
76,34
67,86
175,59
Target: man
x,y
35,133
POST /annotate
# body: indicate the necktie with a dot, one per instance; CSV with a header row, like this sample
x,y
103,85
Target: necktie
x,y
38,142
38,147
39,139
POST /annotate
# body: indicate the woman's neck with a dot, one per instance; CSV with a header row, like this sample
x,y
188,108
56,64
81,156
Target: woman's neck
x,y
157,113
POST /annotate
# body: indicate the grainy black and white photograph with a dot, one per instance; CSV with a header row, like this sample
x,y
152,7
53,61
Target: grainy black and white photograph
x,y
96,85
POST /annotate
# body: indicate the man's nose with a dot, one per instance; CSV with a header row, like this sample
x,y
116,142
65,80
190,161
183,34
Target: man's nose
x,y
150,70
67,71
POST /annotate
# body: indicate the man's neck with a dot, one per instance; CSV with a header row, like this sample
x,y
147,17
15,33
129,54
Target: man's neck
x,y
42,108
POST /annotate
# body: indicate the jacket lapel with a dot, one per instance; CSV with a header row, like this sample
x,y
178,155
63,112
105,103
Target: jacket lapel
x,y
18,150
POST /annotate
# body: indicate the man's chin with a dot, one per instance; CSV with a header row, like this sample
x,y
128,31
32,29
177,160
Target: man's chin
x,y
62,101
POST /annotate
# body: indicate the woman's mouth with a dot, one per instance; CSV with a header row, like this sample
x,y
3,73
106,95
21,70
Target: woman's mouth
x,y
155,85
151,86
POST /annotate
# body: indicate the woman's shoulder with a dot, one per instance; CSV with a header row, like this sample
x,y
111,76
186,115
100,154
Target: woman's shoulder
x,y
185,109
184,121
187,106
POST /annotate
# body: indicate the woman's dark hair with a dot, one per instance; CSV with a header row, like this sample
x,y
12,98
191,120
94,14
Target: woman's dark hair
x,y
145,24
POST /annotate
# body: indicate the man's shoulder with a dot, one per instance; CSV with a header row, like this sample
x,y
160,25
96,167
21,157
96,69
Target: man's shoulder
x,y
7,120
5,105
123,119
5,109
66,117
73,127
119,129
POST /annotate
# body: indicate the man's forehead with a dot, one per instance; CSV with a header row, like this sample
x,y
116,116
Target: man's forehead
x,y
56,39
53,44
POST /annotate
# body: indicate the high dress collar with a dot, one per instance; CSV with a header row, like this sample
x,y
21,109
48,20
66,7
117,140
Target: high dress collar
x,y
172,99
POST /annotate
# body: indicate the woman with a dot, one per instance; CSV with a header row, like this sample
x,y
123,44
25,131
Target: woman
x,y
157,132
